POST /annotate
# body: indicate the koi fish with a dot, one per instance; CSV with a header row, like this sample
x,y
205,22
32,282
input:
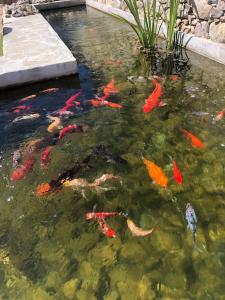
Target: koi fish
x,y
32,146
17,156
220,115
27,98
27,117
25,168
68,129
174,77
55,125
110,88
19,108
103,178
200,113
72,99
156,173
137,231
100,103
45,156
153,100
50,90
106,230
196,143
191,223
43,189
111,62
100,215
177,175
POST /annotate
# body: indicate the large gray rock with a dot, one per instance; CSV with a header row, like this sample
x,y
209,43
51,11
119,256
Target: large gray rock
x,y
216,13
201,9
217,32
202,29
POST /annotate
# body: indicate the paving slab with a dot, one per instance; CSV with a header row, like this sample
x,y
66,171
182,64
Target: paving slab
x,y
33,52
58,4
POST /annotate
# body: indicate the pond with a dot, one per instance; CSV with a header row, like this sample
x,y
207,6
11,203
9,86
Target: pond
x,y
47,248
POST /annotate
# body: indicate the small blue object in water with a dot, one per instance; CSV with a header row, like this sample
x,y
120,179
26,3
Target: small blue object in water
x,y
191,218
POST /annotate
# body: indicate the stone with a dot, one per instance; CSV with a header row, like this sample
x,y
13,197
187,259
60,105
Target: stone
x,y
194,22
217,32
192,29
202,29
83,295
178,22
216,13
185,22
221,5
201,9
70,287
222,19
210,2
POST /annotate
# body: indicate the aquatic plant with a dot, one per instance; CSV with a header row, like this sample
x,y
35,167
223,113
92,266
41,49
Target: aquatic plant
x,y
147,30
170,17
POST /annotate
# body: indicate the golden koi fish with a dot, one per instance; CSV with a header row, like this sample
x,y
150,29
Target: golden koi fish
x,y
156,173
55,125
137,231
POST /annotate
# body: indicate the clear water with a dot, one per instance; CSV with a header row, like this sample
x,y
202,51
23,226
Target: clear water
x,y
47,249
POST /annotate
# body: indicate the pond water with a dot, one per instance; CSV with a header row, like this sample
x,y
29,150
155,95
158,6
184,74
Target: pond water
x,y
47,248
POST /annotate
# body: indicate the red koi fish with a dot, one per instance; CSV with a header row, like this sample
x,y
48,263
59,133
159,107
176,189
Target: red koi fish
x,y
67,129
20,172
45,156
100,215
72,99
110,88
220,115
195,142
27,98
153,99
106,230
177,175
111,62
50,90
17,109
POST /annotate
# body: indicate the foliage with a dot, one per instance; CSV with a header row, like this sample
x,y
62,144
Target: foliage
x,y
148,30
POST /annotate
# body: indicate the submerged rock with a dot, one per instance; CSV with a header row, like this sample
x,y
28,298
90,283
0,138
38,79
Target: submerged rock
x,y
70,287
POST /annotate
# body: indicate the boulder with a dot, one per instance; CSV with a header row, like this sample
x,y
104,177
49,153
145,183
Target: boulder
x,y
201,9
217,32
216,13
202,29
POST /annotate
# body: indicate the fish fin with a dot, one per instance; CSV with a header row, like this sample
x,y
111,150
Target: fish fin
x,y
161,104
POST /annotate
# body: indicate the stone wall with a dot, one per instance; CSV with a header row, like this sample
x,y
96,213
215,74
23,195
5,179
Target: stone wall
x,y
1,28
202,18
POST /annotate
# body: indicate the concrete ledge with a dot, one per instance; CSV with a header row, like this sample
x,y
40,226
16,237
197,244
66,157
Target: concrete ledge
x,y
33,52
207,48
59,4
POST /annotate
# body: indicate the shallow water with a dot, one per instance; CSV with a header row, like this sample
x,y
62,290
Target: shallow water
x,y
47,249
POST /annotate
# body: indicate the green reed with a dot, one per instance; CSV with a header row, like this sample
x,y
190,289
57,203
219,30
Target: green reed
x,y
147,30
170,19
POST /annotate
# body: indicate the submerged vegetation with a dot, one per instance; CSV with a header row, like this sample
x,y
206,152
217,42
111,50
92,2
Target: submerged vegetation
x,y
149,23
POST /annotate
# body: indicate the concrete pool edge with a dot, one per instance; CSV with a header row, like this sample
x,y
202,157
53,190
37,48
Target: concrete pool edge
x,y
58,4
204,47
33,52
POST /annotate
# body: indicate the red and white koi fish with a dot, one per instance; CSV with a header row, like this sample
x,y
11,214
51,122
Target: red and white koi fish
x,y
137,231
196,143
106,230
45,156
66,130
50,90
153,100
20,172
19,108
100,102
177,175
100,215
27,98
220,115
110,88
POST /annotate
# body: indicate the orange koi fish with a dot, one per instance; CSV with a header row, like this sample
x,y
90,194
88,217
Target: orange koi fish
x,y
27,98
156,173
196,143
99,103
55,125
19,108
137,231
177,175
110,88
50,90
220,115
153,100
